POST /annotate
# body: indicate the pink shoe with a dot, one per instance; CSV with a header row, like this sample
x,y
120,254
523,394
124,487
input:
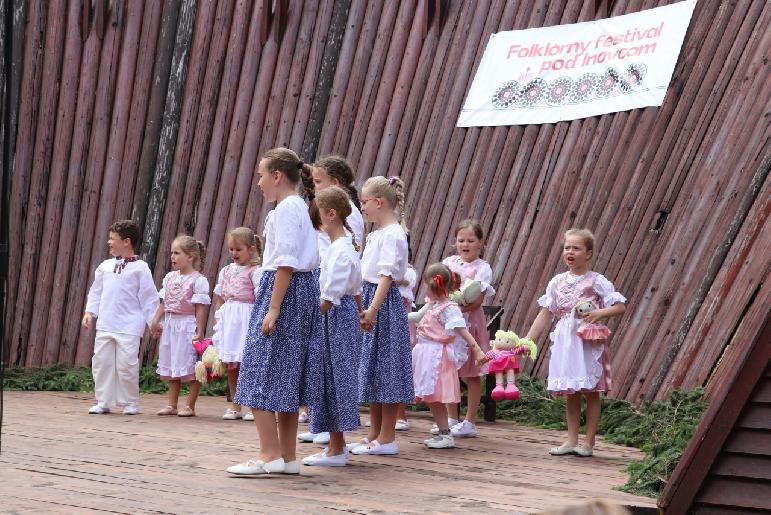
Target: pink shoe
x,y
498,393
512,392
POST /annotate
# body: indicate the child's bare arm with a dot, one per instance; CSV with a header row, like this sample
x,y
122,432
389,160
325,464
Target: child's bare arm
x,y
200,321
540,324
369,315
472,344
280,286
155,326
596,315
217,302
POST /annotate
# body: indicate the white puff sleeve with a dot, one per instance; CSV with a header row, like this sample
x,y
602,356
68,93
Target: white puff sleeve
x,y
393,250
337,272
166,279
256,278
485,276
452,318
607,292
201,291
547,300
411,278
287,226
220,278
95,292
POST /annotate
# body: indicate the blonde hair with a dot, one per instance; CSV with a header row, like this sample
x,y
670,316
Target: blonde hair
x,y
585,234
591,508
193,248
335,198
391,190
246,236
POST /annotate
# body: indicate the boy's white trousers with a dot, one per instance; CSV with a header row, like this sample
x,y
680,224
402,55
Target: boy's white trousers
x,y
115,367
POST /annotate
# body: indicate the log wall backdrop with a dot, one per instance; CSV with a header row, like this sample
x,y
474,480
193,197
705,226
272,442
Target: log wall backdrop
x,y
159,110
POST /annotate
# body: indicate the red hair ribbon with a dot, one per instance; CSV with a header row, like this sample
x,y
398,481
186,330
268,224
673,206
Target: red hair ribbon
x,y
441,289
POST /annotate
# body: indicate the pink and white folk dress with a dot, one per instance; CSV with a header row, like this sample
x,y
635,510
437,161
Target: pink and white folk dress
x,y
478,270
237,286
176,354
438,354
576,364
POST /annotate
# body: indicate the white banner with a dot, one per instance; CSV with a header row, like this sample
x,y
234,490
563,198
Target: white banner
x,y
565,72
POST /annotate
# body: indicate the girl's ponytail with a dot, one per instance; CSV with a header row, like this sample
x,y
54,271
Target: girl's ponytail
x,y
309,192
201,254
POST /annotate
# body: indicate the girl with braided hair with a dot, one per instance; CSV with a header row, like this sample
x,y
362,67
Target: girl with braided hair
x,y
280,364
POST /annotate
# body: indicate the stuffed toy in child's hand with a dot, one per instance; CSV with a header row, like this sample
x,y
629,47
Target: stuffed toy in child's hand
x,y
503,358
210,366
596,333
468,293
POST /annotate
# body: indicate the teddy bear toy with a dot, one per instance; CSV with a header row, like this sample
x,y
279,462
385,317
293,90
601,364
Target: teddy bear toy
x,y
503,360
468,293
210,366
594,332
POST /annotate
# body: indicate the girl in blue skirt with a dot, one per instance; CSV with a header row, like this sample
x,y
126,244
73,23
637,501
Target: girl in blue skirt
x,y
280,364
385,363
337,409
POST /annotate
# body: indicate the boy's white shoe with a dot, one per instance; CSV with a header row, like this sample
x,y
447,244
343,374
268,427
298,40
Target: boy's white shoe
x,y
307,437
377,449
231,414
464,429
322,459
402,425
248,416
450,422
303,418
441,442
96,409
321,439
130,409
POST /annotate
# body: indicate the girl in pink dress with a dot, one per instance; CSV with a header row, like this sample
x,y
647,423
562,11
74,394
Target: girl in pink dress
x,y
469,239
184,297
578,366
234,297
441,348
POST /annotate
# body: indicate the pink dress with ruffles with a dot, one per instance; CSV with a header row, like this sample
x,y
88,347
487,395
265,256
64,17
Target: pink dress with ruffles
x,y
479,270
577,365
438,354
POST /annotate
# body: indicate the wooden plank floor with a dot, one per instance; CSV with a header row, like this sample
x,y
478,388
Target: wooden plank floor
x,y
56,458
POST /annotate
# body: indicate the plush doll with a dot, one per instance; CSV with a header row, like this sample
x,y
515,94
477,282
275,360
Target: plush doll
x,y
467,293
503,358
210,365
597,333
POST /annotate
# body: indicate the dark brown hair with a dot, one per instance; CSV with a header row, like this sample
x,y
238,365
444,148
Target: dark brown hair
x,y
335,198
284,160
127,229
337,168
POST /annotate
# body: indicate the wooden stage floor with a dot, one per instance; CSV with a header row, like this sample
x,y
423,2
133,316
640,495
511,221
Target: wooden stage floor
x,y
56,458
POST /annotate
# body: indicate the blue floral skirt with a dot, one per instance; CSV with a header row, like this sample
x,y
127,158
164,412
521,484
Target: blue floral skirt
x,y
337,408
280,371
385,362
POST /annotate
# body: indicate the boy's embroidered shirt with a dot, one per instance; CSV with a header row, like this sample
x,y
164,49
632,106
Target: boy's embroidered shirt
x,y
385,254
290,239
340,271
124,302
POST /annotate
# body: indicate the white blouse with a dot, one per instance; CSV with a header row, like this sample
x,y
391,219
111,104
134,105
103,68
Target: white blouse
x,y
385,254
255,276
340,271
123,302
355,221
290,239
408,291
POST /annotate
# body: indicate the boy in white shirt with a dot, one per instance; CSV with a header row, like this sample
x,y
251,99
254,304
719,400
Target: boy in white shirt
x,y
122,299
